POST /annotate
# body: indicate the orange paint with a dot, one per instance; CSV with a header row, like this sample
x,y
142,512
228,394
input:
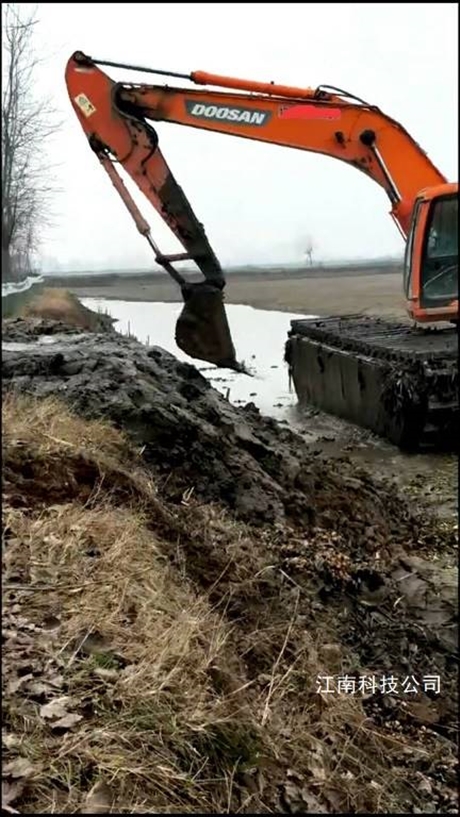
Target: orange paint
x,y
329,124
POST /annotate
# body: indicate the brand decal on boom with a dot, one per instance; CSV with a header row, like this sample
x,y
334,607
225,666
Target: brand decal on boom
x,y
236,115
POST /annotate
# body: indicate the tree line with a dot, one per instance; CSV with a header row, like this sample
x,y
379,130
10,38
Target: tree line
x,y
28,120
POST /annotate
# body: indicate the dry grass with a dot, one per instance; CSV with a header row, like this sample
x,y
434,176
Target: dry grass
x,y
132,646
49,427
134,649
132,684
61,305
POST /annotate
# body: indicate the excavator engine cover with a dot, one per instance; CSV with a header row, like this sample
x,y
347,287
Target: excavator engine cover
x,y
202,329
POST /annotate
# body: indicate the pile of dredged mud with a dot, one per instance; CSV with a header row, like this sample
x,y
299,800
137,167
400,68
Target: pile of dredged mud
x,y
189,432
319,552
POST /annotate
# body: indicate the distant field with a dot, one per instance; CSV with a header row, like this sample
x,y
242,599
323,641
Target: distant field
x,y
108,277
371,289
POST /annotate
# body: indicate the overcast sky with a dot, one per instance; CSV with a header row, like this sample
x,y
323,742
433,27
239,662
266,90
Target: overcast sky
x,y
257,202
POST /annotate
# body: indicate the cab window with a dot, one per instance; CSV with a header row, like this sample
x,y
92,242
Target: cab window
x,y
439,272
443,229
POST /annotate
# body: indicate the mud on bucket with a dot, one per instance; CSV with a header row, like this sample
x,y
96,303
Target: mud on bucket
x,y
202,329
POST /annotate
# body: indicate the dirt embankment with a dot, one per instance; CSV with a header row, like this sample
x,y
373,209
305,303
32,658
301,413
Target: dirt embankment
x,y
179,572
54,304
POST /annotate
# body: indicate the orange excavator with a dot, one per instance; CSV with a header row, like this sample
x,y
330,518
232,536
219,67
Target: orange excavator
x,y
397,379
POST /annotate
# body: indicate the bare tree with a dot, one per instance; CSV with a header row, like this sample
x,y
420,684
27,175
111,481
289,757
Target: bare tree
x,y
27,123
309,249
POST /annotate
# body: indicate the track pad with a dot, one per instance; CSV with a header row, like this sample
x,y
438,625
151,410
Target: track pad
x,y
202,329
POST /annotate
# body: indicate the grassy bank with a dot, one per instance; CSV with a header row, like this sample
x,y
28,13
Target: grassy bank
x,y
61,305
133,684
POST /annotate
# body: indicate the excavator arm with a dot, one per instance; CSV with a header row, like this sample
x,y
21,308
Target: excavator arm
x,y
116,119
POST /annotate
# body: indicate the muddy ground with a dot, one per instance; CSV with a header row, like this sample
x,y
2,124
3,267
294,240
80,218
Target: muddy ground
x,y
429,479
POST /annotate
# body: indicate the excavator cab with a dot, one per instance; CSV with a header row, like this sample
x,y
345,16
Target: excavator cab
x,y
431,259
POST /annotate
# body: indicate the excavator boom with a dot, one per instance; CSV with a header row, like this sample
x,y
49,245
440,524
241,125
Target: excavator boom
x,y
350,131
323,120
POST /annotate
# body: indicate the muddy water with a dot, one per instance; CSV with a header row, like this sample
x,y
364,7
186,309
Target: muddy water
x,y
259,338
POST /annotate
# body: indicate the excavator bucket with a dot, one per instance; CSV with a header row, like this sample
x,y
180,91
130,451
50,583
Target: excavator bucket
x,y
202,329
